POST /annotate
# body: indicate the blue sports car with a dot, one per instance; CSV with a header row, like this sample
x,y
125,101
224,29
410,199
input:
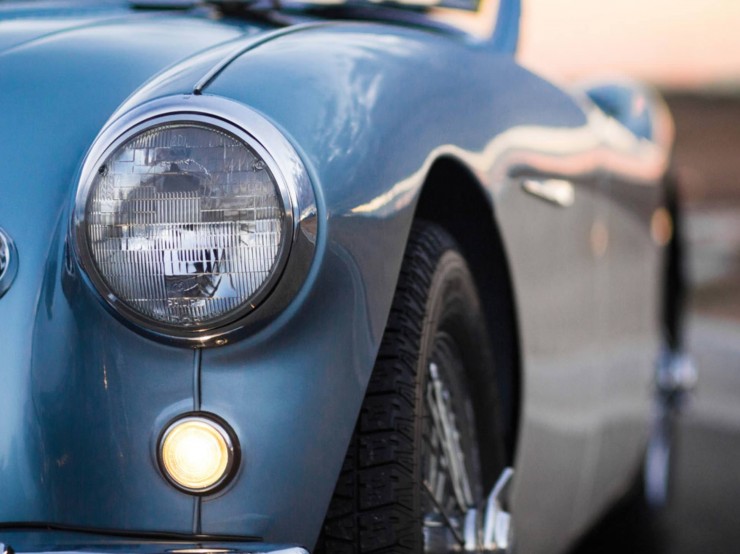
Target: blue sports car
x,y
330,277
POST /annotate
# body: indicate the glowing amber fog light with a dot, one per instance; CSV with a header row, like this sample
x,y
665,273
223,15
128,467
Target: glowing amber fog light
x,y
197,454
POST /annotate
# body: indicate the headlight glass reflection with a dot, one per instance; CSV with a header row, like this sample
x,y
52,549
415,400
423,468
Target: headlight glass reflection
x,y
184,223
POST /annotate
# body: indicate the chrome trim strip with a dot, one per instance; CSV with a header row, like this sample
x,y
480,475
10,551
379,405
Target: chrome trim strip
x,y
200,547
557,191
8,262
295,188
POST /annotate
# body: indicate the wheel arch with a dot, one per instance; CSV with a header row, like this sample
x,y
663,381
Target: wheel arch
x,y
452,197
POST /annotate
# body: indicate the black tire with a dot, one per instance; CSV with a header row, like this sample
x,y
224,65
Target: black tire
x,y
381,498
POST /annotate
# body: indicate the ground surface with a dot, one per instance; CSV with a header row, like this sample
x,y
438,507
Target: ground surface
x,y
705,508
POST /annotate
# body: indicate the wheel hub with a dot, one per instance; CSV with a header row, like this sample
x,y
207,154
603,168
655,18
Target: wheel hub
x,y
453,520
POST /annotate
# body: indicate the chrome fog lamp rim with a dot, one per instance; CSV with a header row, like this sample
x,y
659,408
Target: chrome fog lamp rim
x,y
227,435
298,239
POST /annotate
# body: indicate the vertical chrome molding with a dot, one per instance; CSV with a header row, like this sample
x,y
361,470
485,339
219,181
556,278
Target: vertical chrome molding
x,y
197,526
197,397
197,402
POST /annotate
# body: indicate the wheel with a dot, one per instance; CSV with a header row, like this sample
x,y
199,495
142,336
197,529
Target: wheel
x,y
428,442
676,375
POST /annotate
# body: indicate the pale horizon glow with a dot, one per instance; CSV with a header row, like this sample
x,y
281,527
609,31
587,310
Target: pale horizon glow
x,y
672,43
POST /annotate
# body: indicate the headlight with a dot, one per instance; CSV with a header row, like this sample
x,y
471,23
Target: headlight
x,y
184,222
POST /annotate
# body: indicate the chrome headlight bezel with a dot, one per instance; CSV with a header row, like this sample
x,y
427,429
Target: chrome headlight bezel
x,y
294,192
8,262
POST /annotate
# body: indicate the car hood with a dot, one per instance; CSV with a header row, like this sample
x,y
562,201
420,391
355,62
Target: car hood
x,y
64,69
27,23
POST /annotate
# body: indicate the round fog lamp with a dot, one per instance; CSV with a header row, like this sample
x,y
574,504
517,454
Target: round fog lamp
x,y
197,454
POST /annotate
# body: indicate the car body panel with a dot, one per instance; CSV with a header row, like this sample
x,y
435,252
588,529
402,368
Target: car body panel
x,y
364,228
384,188
377,105
58,379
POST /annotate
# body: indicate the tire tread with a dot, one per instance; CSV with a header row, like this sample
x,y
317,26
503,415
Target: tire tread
x,y
374,508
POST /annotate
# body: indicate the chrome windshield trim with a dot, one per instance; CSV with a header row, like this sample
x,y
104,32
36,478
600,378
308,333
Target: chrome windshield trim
x,y
463,5
296,191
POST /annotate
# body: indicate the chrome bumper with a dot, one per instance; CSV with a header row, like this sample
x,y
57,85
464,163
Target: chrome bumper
x,y
129,547
261,549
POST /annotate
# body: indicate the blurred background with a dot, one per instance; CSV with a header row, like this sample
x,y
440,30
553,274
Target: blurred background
x,y
690,50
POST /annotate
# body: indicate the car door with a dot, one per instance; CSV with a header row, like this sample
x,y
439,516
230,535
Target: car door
x,y
632,341
553,231
637,133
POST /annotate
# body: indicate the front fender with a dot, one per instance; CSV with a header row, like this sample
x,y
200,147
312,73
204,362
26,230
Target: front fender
x,y
373,110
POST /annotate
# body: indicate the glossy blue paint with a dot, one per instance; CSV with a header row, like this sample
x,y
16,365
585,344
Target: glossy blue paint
x,y
74,368
372,109
369,108
506,33
82,397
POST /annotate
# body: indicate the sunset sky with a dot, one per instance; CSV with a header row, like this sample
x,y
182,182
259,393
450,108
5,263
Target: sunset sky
x,y
674,43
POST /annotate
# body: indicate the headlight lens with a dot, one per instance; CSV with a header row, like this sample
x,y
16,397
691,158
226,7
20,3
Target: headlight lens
x,y
185,223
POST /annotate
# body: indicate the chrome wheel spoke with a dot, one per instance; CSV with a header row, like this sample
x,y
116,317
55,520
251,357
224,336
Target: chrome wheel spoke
x,y
438,403
446,517
446,480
